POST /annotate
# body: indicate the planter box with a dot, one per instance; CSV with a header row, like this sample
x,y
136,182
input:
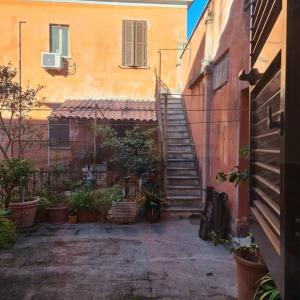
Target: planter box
x,y
86,216
24,212
247,275
124,212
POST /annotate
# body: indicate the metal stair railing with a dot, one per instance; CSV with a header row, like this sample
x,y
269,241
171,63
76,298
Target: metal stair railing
x,y
162,91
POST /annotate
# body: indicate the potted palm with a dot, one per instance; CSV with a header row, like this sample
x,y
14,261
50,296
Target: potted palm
x,y
152,204
14,177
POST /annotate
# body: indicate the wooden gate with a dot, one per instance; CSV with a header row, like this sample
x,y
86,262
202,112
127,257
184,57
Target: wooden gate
x,y
275,138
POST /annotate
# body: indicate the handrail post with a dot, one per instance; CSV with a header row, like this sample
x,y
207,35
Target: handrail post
x,y
165,141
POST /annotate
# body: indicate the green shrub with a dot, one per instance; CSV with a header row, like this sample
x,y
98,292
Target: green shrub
x,y
14,175
7,233
82,199
103,199
44,203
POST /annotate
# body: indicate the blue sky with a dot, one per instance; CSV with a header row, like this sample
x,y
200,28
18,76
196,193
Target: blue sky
x,y
194,14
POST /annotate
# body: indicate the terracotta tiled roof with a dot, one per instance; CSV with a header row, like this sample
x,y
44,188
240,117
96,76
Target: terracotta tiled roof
x,y
116,110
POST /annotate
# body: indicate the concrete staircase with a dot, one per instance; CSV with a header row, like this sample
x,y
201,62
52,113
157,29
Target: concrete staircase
x,y
183,180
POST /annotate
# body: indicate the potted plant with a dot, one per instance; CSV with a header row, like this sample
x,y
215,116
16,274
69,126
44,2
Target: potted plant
x,y
249,263
42,215
7,229
123,211
82,202
267,289
58,211
14,177
152,204
104,198
72,218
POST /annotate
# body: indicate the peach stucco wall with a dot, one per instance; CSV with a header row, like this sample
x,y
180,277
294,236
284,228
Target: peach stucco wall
x,y
96,47
228,106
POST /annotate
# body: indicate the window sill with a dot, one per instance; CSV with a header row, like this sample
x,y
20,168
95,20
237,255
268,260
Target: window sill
x,y
133,67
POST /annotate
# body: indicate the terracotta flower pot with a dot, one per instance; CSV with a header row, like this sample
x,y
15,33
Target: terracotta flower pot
x,y
124,212
86,216
24,212
72,219
248,273
58,214
152,215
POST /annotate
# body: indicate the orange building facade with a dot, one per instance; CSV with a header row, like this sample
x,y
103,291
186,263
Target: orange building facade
x,y
90,36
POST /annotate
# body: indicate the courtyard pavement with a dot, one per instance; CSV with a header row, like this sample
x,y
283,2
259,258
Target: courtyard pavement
x,y
161,261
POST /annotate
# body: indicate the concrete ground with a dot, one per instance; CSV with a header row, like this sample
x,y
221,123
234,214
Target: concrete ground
x,y
103,261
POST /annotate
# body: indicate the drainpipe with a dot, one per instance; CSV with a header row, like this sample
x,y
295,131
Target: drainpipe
x,y
207,67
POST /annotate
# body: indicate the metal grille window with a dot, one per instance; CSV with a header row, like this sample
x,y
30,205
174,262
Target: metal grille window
x,y
59,39
134,44
59,133
221,71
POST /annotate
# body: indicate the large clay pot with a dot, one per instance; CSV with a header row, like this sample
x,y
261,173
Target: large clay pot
x,y
247,274
86,216
124,212
58,214
24,212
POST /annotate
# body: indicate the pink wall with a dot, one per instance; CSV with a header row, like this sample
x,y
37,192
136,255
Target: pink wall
x,y
229,104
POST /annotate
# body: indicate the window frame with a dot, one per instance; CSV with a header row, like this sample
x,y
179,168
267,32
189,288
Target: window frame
x,y
69,42
122,65
53,143
217,61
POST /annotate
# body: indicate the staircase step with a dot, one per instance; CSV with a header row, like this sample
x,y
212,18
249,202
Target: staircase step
x,y
177,190
180,212
185,201
176,122
180,147
186,180
180,154
174,140
187,163
181,172
175,117
177,134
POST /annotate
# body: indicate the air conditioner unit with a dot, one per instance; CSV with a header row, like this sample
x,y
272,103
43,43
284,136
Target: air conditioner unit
x,y
52,60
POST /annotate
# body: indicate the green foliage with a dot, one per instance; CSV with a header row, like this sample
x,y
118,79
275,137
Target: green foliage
x,y
82,199
7,233
235,175
244,151
134,152
153,197
104,198
17,102
266,289
44,204
246,249
4,212
14,175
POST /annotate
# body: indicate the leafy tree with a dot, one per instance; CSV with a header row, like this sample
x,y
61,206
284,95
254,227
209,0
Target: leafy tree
x,y
15,105
134,151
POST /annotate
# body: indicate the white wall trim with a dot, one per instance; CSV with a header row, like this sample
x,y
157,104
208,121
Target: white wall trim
x,y
144,3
